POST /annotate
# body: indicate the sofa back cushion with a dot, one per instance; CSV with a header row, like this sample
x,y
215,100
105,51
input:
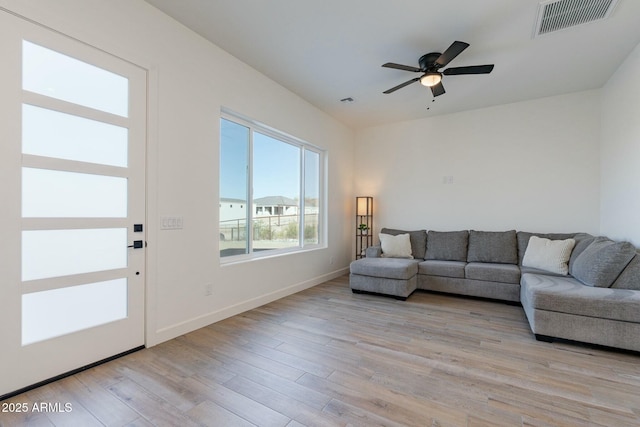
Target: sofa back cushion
x,y
602,261
583,240
524,237
493,246
447,245
417,238
630,276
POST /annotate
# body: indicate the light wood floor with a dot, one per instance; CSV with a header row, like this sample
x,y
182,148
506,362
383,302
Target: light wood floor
x,y
326,357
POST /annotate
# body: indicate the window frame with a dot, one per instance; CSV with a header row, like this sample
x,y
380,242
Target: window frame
x,y
251,214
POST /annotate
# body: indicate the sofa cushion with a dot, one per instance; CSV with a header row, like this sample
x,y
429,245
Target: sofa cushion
x,y
447,245
602,261
418,240
382,285
630,276
390,268
493,246
492,272
583,240
395,246
567,295
523,238
549,255
525,270
435,267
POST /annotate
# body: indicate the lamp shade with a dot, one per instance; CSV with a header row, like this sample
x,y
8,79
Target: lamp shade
x,y
364,206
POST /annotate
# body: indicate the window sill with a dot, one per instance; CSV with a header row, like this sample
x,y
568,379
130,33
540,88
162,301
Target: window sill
x,y
267,254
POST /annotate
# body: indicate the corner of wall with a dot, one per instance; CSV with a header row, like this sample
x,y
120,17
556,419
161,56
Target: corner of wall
x,y
620,152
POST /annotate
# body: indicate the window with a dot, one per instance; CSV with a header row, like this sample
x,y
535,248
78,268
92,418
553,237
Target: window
x,y
276,180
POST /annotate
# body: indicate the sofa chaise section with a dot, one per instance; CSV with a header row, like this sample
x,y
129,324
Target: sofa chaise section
x,y
561,307
396,277
588,308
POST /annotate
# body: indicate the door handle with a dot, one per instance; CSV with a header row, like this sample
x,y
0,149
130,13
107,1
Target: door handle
x,y
137,244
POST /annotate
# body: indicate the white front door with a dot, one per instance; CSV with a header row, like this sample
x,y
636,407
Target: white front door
x,y
72,171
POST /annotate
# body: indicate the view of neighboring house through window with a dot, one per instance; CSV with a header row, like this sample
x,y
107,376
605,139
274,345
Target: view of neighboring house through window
x,y
270,187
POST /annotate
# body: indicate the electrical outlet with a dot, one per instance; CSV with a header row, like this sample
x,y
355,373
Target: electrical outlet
x,y
331,260
208,290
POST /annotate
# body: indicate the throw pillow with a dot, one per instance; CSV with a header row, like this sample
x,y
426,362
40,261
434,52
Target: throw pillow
x,y
395,246
549,255
602,261
447,245
418,240
493,246
524,236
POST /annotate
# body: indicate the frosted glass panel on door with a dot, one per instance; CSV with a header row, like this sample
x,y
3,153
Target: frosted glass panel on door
x,y
58,194
59,76
50,133
57,312
55,253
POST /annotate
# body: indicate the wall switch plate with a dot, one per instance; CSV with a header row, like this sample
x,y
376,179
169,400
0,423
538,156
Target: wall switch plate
x,y
447,179
171,223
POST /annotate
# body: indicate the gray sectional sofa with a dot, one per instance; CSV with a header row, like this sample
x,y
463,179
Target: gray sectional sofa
x,y
597,301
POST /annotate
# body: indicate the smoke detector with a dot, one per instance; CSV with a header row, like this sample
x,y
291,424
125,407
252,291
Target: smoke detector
x,y
555,15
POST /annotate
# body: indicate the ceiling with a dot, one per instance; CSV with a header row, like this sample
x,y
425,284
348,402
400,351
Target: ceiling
x,y
327,50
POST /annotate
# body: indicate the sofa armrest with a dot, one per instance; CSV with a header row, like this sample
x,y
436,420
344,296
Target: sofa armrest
x,y
374,251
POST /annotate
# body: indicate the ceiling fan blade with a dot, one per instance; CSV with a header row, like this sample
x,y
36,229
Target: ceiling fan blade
x,y
401,67
473,69
452,51
437,90
400,86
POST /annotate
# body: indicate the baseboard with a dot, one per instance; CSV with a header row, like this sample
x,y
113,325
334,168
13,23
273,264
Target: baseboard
x,y
173,331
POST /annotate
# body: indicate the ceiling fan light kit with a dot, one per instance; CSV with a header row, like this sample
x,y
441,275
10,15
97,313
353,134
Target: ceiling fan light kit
x,y
430,65
431,79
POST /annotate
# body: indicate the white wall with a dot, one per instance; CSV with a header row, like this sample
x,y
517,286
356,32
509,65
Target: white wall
x,y
531,165
620,152
190,80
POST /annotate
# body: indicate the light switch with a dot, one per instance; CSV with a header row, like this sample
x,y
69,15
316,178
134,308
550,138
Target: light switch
x,y
447,179
171,223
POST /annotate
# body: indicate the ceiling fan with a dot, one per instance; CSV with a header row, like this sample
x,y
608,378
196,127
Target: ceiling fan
x,y
430,65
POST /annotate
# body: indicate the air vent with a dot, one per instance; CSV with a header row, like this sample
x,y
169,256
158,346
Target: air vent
x,y
555,15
